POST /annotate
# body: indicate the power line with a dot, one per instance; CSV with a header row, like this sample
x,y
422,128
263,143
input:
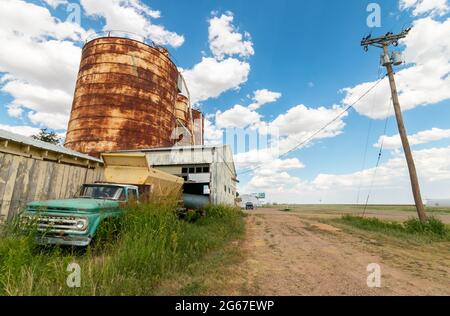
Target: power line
x,y
309,138
369,131
364,158
378,160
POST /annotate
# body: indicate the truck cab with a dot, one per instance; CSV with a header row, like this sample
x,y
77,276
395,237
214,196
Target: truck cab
x,y
75,221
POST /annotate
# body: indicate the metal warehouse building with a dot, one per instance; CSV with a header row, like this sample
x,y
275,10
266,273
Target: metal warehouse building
x,y
207,170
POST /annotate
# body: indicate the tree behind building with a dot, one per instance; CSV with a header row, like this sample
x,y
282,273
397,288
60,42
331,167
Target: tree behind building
x,y
47,136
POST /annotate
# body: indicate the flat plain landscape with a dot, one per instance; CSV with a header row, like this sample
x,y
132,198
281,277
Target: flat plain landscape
x,y
384,212
309,250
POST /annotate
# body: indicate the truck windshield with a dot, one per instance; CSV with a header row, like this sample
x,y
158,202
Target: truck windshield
x,y
102,192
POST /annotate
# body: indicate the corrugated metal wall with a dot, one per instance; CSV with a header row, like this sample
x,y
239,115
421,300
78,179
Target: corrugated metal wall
x,y
219,158
223,187
124,98
24,179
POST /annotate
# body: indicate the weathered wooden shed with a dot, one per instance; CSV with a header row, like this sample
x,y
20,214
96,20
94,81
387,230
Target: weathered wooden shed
x,y
34,170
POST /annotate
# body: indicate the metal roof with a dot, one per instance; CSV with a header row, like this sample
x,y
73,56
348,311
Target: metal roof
x,y
5,135
120,185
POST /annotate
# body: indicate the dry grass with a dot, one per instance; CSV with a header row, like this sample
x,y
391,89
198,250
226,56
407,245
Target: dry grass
x,y
151,246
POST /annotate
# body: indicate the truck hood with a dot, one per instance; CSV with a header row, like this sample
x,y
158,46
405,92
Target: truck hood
x,y
72,205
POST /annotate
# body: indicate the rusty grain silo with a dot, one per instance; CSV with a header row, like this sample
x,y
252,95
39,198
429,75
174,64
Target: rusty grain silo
x,y
125,97
199,127
182,111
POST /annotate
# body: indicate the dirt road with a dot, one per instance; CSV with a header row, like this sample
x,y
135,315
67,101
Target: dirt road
x,y
287,254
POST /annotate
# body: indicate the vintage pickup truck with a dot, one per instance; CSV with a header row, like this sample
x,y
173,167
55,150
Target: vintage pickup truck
x,y
128,177
76,221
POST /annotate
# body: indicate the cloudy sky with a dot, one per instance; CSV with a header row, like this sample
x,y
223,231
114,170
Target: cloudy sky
x,y
278,69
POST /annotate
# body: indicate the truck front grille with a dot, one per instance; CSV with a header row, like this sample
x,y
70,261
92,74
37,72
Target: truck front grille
x,y
58,224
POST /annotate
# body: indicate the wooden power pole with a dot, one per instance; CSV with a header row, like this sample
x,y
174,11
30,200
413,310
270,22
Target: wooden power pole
x,y
389,61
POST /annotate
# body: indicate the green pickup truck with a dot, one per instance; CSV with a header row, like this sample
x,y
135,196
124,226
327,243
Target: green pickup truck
x,y
75,222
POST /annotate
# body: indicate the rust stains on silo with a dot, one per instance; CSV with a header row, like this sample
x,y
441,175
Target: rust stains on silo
x,y
199,127
182,111
124,98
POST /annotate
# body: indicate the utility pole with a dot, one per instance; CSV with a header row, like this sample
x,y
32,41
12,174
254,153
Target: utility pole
x,y
389,61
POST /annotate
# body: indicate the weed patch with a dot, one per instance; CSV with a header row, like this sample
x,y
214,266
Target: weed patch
x,y
432,229
150,244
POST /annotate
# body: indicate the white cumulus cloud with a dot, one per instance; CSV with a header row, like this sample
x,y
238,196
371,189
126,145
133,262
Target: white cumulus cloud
x,y
418,7
423,137
224,71
237,117
262,97
40,61
211,77
23,19
24,130
300,123
273,176
131,16
224,38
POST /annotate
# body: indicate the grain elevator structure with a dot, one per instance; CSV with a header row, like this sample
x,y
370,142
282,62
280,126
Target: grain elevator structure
x,y
130,98
130,95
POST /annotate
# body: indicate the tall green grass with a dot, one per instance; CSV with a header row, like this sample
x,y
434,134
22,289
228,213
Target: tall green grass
x,y
150,244
431,229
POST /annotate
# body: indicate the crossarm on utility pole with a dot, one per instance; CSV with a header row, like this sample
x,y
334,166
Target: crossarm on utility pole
x,y
384,42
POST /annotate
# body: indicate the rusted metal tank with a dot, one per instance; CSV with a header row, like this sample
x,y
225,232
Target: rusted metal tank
x,y
182,111
199,127
124,98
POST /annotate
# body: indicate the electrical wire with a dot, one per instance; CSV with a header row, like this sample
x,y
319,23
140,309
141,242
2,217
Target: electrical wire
x,y
364,159
309,138
369,131
380,153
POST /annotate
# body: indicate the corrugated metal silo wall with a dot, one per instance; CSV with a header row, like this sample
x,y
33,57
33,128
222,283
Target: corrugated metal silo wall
x,y
199,127
124,99
182,111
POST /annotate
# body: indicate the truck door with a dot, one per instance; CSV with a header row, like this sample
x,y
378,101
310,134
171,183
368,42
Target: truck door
x,y
132,196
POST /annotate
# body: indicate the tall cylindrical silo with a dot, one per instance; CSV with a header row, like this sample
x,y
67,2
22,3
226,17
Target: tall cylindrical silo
x,y
182,111
199,127
124,99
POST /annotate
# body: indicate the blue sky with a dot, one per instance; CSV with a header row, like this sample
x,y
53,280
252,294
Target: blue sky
x,y
306,51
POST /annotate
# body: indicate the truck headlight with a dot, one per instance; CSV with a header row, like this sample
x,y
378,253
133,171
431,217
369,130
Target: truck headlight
x,y
81,225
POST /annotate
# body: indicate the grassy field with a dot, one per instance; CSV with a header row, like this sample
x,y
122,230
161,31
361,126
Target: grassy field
x,y
354,209
432,230
398,220
152,247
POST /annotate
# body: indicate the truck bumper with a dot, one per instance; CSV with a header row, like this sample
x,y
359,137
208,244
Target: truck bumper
x,y
64,241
